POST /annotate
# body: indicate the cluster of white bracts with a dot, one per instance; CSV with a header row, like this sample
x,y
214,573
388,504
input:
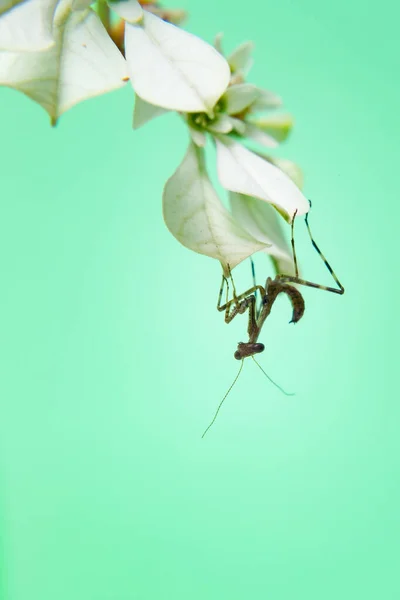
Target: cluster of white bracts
x,y
58,53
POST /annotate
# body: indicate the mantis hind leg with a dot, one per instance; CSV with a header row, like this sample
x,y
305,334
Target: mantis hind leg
x,y
296,279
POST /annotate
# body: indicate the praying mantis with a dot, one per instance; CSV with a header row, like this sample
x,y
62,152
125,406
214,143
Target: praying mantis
x,y
269,293
246,301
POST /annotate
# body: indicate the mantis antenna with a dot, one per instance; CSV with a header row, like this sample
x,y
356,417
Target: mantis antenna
x,y
271,380
234,381
224,398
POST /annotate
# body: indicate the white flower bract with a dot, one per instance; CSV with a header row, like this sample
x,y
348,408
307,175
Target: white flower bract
x,y
264,223
145,112
82,63
172,68
240,170
129,10
195,215
27,26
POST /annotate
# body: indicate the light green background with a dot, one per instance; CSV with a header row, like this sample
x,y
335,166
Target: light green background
x,y
113,357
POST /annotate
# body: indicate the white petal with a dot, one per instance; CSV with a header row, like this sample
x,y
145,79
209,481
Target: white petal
x,y
238,125
265,101
240,59
83,63
80,4
172,68
218,42
144,112
277,126
171,15
196,217
238,97
129,10
291,169
252,132
198,137
263,222
221,124
28,26
240,170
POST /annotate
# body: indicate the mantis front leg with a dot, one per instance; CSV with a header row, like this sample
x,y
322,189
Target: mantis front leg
x,y
238,304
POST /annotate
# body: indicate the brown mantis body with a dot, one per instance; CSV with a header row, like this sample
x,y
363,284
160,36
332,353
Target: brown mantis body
x,y
273,287
247,301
